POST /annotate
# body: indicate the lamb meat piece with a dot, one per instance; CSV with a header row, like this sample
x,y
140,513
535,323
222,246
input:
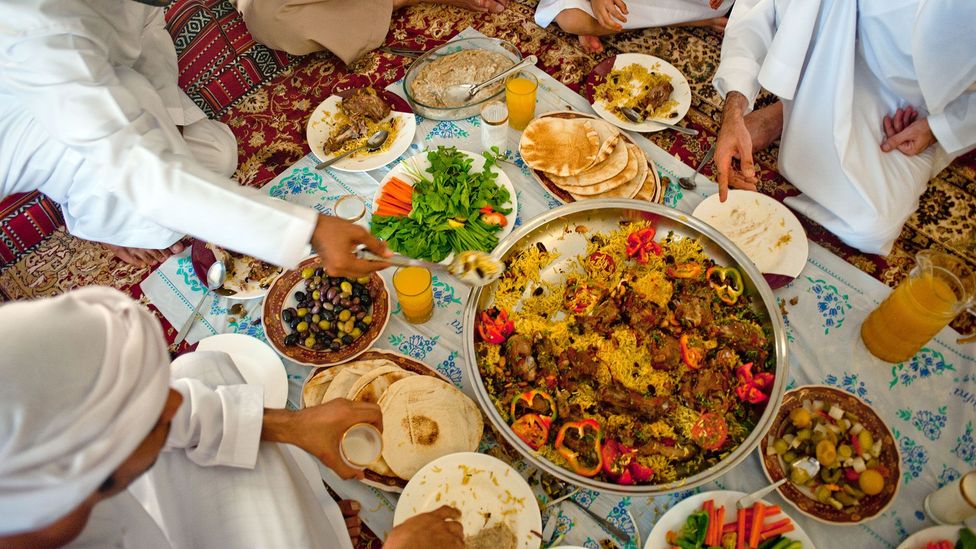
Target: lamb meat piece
x,y
518,356
665,352
726,359
692,310
744,337
354,130
707,390
656,96
577,365
627,401
602,319
640,315
677,452
364,103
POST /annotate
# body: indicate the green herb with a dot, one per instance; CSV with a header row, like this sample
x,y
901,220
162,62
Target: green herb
x,y
447,200
967,540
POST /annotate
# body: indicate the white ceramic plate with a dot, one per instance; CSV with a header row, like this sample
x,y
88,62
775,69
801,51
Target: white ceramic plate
x,y
320,127
477,163
681,93
257,363
676,516
478,485
933,533
767,231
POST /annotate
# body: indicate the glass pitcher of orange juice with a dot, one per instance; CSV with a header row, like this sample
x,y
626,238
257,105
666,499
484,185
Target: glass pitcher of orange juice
x,y
938,289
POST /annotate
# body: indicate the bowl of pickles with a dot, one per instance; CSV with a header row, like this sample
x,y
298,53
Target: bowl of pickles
x,y
315,319
859,472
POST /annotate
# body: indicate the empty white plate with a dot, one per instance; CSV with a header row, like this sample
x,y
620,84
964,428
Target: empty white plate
x,y
257,363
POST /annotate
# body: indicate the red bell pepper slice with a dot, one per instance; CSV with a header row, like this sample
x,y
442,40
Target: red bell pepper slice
x,y
621,465
753,388
528,400
710,431
582,436
686,270
494,326
602,261
727,283
640,245
692,355
533,429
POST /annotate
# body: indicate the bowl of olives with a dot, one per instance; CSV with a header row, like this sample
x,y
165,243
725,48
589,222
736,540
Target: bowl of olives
x,y
319,320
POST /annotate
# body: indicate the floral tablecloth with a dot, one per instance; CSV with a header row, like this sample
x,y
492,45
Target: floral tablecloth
x,y
929,402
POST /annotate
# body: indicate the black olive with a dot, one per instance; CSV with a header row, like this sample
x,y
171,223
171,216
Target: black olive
x,y
291,340
319,271
293,323
366,301
307,318
335,345
362,326
346,339
329,335
327,315
288,314
300,296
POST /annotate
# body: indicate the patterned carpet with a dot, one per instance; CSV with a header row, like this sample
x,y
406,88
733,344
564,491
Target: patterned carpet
x,y
270,126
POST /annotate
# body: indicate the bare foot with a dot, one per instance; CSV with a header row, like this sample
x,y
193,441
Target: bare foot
x,y
350,512
591,44
143,257
765,125
492,6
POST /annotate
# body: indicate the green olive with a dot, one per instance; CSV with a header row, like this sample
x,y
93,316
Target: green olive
x,y
310,341
789,457
350,325
799,476
302,326
780,446
363,280
325,324
368,319
316,295
866,440
344,315
308,272
804,434
302,312
317,280
845,451
316,318
346,287
355,333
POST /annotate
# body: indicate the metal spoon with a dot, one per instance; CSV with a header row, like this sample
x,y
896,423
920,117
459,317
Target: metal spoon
x,y
374,142
688,182
216,275
474,268
462,93
808,464
632,115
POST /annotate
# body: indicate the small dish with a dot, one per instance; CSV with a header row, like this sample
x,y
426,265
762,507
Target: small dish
x,y
681,93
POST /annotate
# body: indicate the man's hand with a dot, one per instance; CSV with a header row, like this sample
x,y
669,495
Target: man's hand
x,y
335,240
439,528
318,429
906,132
608,12
734,141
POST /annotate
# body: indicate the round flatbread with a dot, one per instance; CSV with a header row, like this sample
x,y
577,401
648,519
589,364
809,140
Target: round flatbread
x,y
371,386
425,418
609,137
648,190
634,156
336,381
610,167
630,187
559,146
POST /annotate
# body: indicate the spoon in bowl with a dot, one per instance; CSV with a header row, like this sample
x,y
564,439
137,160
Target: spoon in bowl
x,y
809,465
632,115
459,94
374,142
216,275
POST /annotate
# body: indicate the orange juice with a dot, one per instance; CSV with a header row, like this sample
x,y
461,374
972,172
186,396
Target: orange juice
x,y
414,291
918,309
520,95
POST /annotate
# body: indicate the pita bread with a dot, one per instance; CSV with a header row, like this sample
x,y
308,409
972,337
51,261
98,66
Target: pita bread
x,y
609,137
648,190
371,386
630,187
559,146
625,176
425,418
613,165
315,390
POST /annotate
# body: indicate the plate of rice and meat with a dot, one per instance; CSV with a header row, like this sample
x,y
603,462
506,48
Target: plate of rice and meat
x,y
651,86
247,277
345,121
628,348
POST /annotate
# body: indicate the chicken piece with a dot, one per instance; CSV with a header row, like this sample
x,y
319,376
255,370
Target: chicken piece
x,y
623,400
745,337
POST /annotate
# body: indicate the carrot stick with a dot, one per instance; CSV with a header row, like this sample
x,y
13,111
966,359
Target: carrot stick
x,y
757,520
776,531
709,507
774,525
740,531
719,519
771,510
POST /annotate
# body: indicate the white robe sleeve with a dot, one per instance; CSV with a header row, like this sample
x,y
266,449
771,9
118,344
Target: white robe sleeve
x,y
955,126
158,63
67,83
748,36
219,422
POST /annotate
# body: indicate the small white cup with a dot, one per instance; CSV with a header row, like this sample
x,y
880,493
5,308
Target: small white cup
x,y
953,503
361,445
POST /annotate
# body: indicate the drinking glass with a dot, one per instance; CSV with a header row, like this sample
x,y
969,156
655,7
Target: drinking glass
x,y
350,207
520,91
938,288
361,445
953,503
494,126
415,293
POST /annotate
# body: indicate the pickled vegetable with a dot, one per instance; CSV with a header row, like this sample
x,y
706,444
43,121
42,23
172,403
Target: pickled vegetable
x,y
871,481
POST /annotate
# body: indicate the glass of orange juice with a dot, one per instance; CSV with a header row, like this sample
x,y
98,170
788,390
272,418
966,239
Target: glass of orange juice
x,y
520,91
415,293
938,289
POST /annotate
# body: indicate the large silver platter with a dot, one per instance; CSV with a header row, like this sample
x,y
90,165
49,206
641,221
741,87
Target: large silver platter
x,y
556,230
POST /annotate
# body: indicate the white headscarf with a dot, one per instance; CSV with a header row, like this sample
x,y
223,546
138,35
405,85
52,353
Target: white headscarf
x,y
83,379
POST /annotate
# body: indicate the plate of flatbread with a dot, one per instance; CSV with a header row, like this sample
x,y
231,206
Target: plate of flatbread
x,y
425,417
577,156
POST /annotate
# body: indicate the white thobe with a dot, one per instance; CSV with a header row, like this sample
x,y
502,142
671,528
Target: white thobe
x,y
216,484
840,66
641,14
89,109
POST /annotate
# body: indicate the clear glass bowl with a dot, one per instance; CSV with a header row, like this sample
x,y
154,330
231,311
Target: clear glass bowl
x,y
466,111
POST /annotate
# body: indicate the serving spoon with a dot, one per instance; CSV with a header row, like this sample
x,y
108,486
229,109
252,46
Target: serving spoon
x,y
474,268
216,275
462,93
374,142
810,465
632,115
